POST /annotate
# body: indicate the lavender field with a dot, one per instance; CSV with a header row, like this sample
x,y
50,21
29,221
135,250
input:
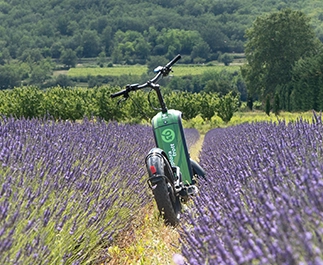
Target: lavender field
x,y
263,201
67,188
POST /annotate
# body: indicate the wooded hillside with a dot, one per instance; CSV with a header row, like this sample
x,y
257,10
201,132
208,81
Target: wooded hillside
x,y
134,29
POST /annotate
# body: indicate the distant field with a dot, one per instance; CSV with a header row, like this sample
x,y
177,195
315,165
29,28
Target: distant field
x,y
138,70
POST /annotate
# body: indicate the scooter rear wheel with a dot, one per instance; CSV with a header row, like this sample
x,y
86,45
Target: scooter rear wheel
x,y
167,202
161,181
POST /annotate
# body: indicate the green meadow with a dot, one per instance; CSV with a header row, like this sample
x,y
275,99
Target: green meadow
x,y
138,70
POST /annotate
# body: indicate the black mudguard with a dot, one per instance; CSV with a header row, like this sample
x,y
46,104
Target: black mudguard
x,y
157,159
197,169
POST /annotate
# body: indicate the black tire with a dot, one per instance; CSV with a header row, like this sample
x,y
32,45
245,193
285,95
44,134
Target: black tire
x,y
161,181
168,204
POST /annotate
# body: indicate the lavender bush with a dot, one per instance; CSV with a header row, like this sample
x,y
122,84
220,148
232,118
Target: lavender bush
x,y
262,203
191,135
67,187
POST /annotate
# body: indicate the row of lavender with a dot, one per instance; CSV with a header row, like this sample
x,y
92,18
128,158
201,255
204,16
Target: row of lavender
x,y
263,201
67,188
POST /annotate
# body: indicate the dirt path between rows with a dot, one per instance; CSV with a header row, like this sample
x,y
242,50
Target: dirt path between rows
x,y
148,240
196,148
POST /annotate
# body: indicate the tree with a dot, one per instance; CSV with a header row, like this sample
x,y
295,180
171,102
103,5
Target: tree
x,y
274,43
268,105
227,106
130,45
155,61
213,35
10,76
90,43
179,41
107,39
226,59
56,49
31,56
276,104
219,82
63,81
142,48
68,58
307,84
185,102
208,104
102,58
250,103
5,56
40,72
201,49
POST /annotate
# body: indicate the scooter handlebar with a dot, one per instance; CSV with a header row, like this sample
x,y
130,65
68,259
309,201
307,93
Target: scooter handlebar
x,y
164,71
173,61
119,93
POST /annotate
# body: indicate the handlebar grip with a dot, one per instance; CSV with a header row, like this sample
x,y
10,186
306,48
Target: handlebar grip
x,y
173,61
117,94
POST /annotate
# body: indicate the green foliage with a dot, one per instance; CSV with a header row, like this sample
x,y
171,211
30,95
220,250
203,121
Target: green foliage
x,y
40,72
226,59
201,50
155,61
250,103
187,102
105,106
22,102
10,76
219,82
68,58
276,107
268,105
197,29
129,47
74,104
227,106
209,103
274,43
90,43
207,78
102,58
202,32
62,81
307,84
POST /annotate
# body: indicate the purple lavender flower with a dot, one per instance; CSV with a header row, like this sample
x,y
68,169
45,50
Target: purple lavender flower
x,y
178,259
58,173
265,179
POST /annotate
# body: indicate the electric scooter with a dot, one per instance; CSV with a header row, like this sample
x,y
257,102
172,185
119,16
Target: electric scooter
x,y
172,173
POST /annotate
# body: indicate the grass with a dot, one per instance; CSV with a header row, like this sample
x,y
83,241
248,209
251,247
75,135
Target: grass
x,y
138,70
243,117
146,241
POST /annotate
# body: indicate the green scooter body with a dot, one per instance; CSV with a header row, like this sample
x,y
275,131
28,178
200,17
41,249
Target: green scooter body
x,y
169,136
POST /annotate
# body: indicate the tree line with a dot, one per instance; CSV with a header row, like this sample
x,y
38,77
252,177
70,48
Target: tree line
x,y
131,31
59,103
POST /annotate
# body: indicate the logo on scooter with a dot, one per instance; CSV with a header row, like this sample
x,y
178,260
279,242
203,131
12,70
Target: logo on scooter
x,y
168,135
